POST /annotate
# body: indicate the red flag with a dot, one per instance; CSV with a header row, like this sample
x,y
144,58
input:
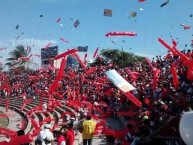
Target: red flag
x,y
99,124
95,53
47,119
23,124
174,50
59,76
6,86
35,124
28,138
133,99
66,53
175,76
182,56
149,63
79,60
7,132
156,73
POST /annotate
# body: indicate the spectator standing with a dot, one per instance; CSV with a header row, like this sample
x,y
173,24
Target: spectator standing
x,y
45,137
88,128
60,138
69,133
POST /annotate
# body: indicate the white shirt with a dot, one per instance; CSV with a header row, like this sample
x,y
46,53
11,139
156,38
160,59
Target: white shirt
x,y
45,134
63,143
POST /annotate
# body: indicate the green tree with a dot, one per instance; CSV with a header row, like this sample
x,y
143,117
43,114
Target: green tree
x,y
98,61
119,57
15,55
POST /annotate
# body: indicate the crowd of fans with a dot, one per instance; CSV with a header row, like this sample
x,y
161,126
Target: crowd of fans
x,y
92,85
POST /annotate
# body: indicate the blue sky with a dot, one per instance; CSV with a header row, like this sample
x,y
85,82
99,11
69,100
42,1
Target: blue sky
x,y
149,24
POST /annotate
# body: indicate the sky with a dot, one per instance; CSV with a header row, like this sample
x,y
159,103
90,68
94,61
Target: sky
x,y
151,22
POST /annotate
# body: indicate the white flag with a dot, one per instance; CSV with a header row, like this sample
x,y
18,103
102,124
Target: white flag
x,y
119,81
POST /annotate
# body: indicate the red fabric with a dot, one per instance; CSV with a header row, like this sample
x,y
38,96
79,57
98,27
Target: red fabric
x,y
68,52
47,119
79,60
7,132
60,139
133,99
116,133
70,137
6,143
156,73
22,124
28,138
182,56
174,43
166,45
99,124
7,88
58,77
149,63
120,34
35,124
175,76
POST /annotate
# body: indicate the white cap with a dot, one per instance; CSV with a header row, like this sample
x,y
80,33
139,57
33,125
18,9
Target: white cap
x,y
72,118
47,126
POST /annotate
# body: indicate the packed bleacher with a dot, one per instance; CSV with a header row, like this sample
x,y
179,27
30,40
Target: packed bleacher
x,y
88,92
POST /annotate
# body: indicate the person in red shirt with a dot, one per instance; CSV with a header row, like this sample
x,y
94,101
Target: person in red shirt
x,y
60,138
69,133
